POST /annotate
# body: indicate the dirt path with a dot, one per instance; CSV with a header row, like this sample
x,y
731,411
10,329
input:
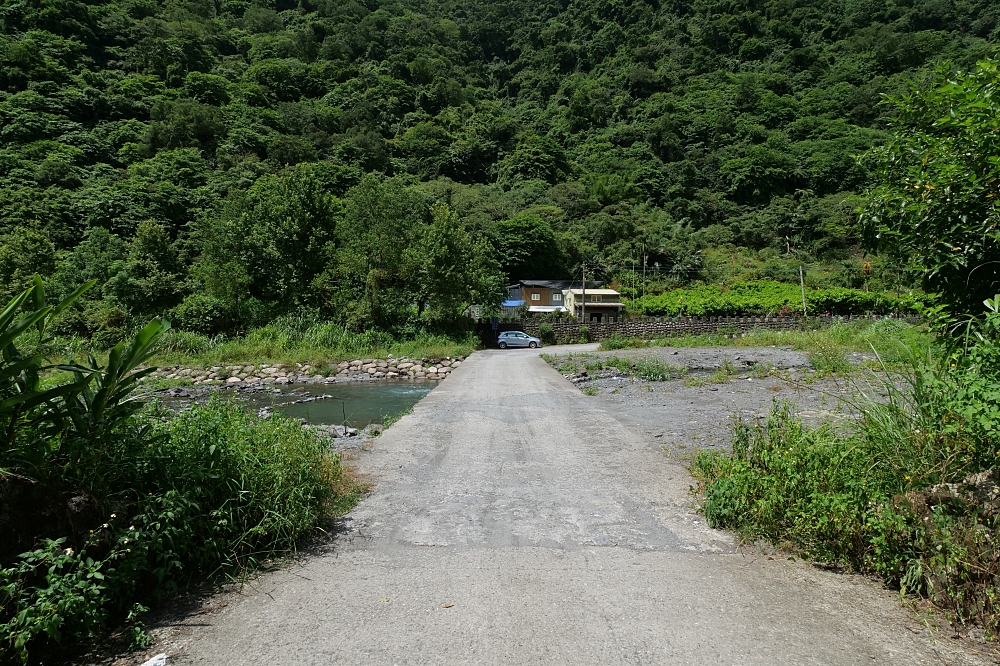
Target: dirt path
x,y
516,521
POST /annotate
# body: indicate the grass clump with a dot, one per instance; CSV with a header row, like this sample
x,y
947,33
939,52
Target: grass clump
x,y
647,368
904,493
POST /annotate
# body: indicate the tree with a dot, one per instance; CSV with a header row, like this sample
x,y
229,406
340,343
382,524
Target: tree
x,y
24,251
527,248
455,272
382,220
935,209
270,242
150,281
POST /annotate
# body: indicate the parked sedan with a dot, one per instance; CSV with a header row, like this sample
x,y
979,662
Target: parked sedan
x,y
517,339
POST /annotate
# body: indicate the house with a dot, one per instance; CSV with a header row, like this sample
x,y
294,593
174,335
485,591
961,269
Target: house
x,y
543,295
601,304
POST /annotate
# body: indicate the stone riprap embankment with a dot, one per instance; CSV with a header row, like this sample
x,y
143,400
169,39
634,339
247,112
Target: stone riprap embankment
x,y
238,376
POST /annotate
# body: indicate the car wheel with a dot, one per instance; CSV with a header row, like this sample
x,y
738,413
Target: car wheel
x,y
502,345
532,344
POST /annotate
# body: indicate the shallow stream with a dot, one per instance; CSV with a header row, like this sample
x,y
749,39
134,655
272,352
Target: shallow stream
x,y
357,404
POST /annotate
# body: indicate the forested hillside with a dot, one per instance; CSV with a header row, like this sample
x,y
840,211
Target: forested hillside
x,y
229,162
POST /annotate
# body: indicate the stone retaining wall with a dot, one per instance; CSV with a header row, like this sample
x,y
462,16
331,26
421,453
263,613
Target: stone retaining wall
x,y
568,331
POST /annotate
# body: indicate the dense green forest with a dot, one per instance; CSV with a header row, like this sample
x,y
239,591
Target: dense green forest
x,y
387,163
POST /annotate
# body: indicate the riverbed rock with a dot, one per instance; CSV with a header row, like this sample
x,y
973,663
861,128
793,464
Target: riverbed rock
x,y
234,380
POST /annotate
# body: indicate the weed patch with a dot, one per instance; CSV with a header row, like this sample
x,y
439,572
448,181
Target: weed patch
x,y
904,493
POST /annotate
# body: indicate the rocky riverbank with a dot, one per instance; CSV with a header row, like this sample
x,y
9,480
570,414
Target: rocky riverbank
x,y
246,375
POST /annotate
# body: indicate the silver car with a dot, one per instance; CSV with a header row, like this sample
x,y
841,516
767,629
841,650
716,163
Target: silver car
x,y
517,339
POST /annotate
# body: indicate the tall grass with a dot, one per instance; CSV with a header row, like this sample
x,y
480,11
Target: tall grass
x,y
211,494
899,492
894,341
284,342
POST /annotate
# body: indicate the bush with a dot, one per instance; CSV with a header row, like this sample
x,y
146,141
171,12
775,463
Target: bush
x,y
584,334
216,492
547,334
210,492
201,313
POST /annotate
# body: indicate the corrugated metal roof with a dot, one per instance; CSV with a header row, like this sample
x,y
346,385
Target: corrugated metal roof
x,y
559,284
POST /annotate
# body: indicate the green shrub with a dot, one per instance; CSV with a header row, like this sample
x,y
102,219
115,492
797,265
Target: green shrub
x,y
584,334
547,334
210,492
201,313
185,342
216,492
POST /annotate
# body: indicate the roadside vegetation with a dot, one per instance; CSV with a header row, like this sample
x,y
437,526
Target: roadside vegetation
x,y
894,341
908,491
115,506
297,340
649,369
771,298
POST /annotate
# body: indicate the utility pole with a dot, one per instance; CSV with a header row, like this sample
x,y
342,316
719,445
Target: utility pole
x,y
635,287
644,270
583,299
802,281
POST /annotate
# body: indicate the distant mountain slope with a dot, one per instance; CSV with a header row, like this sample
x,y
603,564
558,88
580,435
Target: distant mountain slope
x,y
622,128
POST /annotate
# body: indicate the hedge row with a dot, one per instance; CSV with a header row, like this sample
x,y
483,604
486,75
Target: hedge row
x,y
767,297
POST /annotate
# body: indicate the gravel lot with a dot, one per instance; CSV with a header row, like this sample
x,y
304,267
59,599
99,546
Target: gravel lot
x,y
698,409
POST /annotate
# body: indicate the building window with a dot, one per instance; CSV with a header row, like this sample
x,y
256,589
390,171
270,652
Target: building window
x,y
536,297
557,298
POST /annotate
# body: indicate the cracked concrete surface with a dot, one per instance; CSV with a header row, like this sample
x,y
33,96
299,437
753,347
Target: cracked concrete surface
x,y
515,521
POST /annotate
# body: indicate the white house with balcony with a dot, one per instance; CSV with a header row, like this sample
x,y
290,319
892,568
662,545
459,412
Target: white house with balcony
x,y
602,304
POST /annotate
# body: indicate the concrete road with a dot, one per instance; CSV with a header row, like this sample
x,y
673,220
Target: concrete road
x,y
515,522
